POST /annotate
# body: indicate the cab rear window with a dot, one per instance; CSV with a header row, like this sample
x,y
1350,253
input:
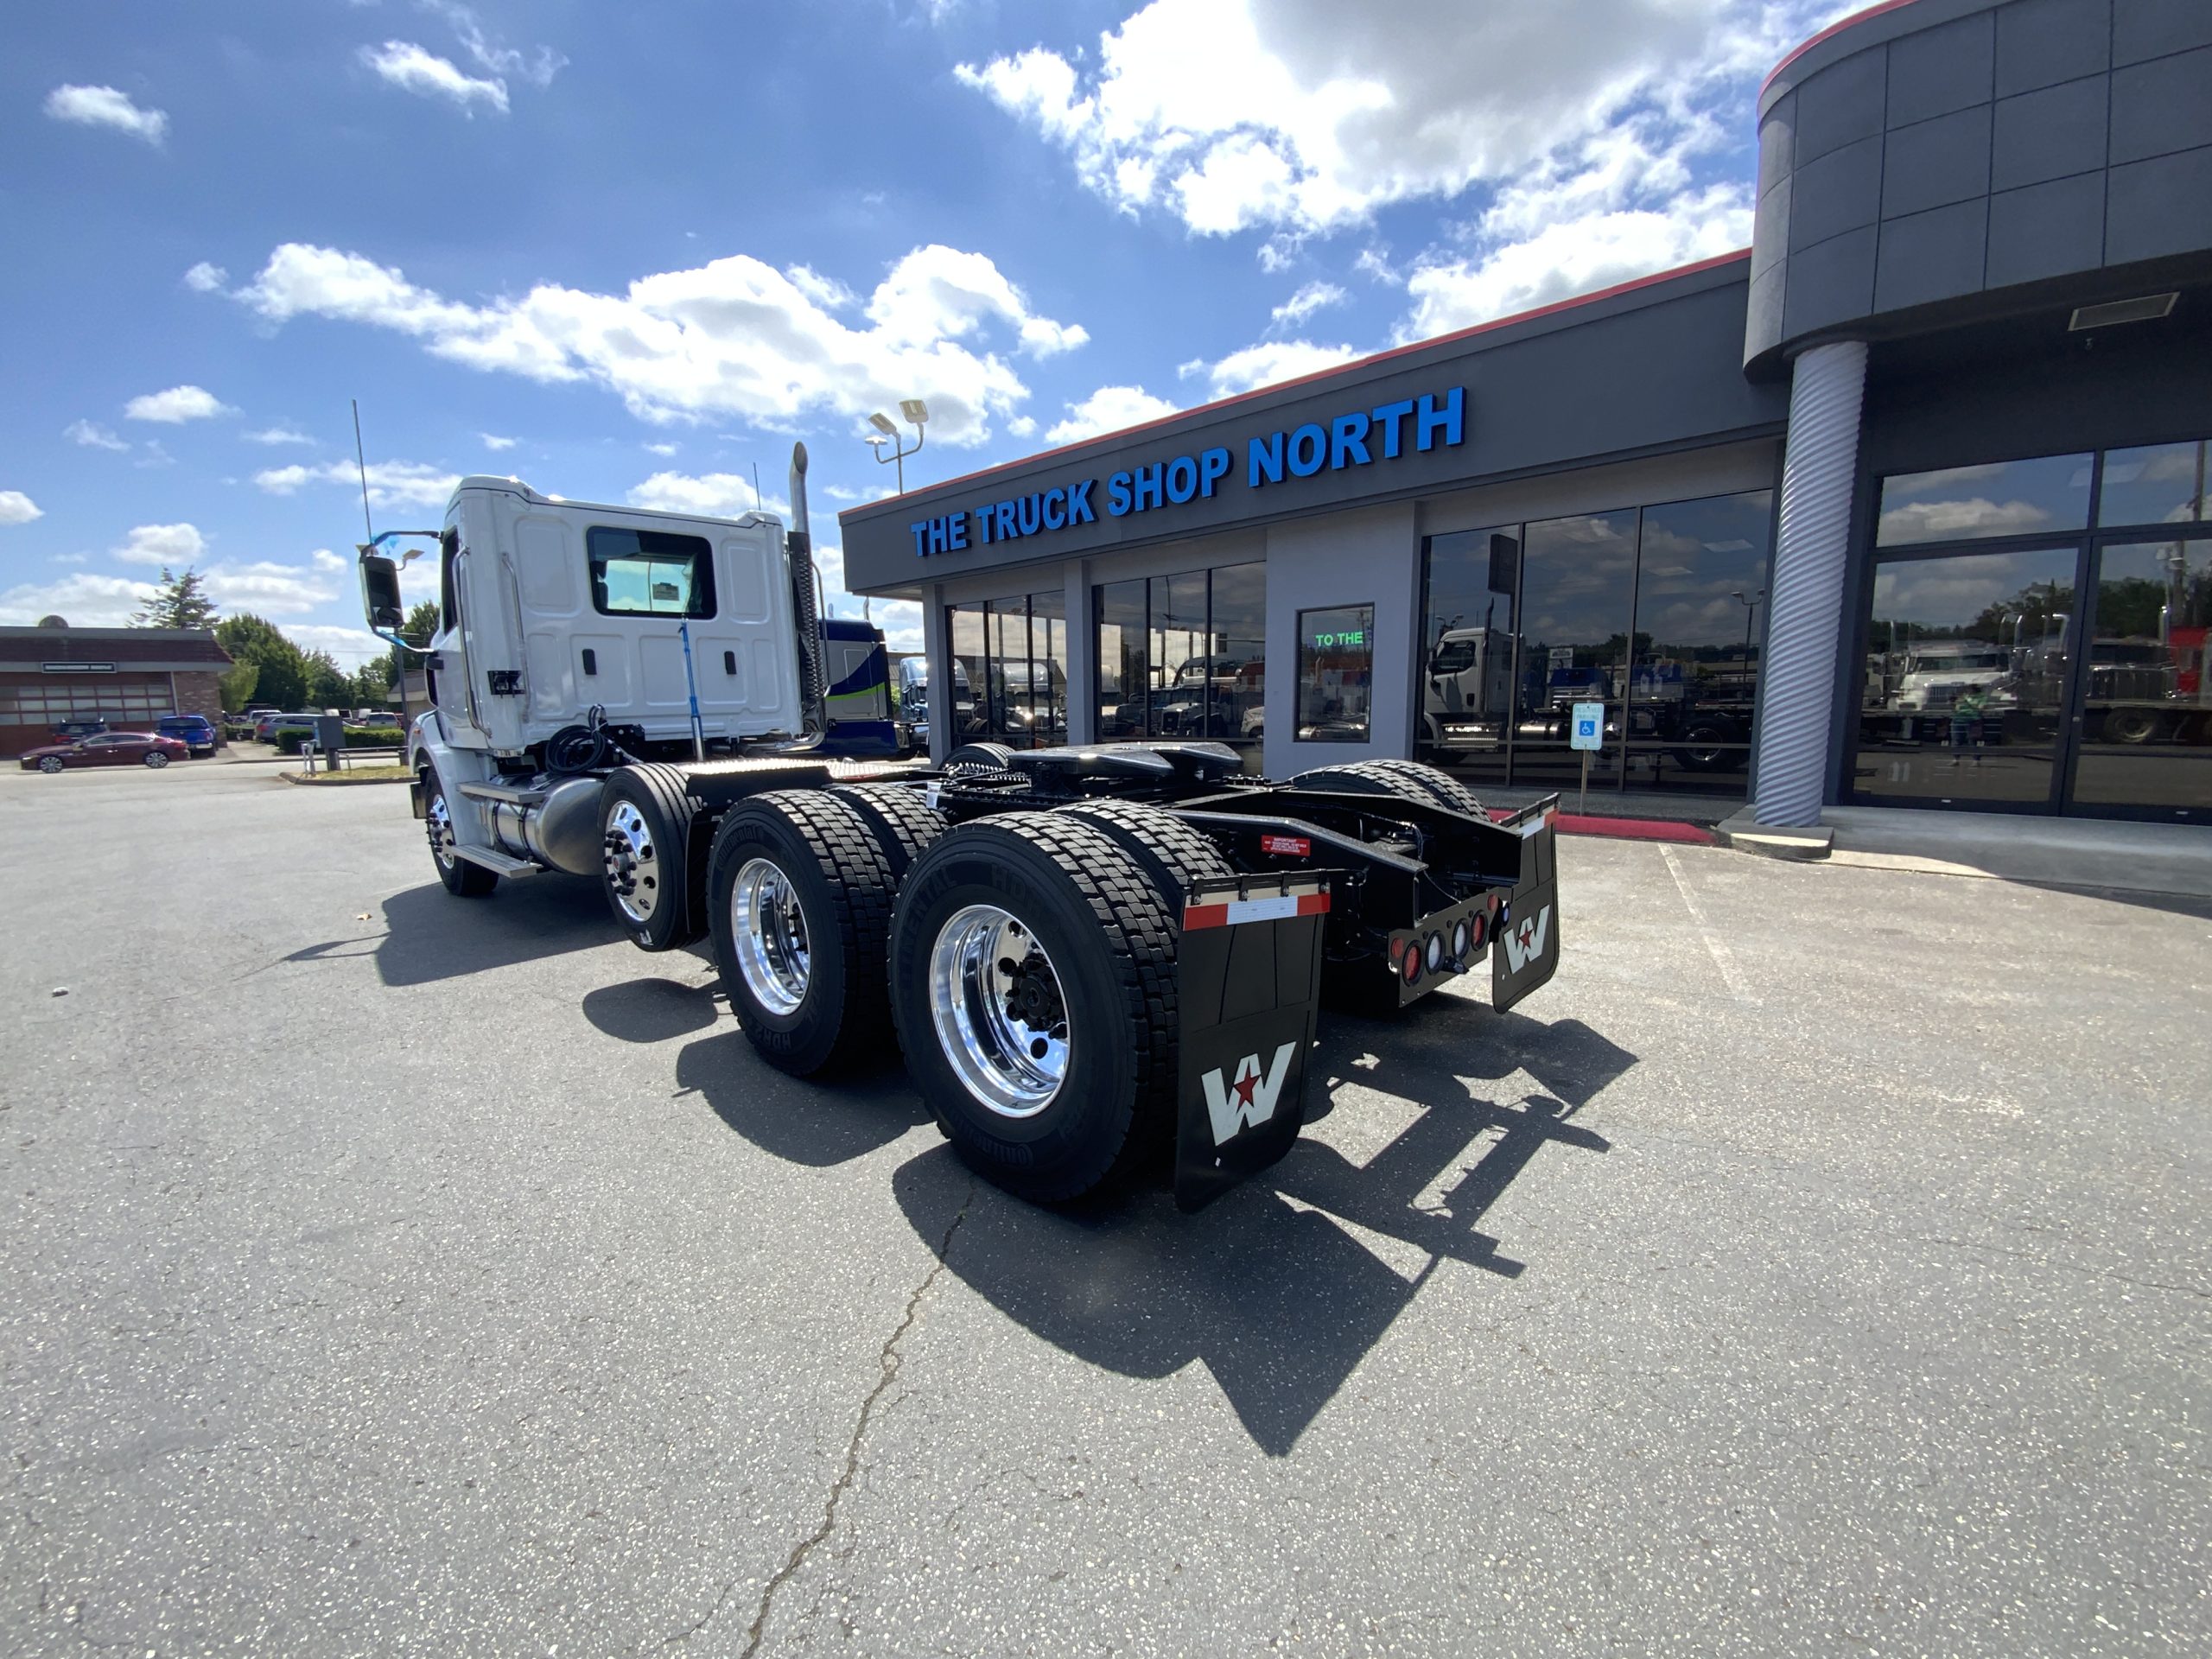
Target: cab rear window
x,y
649,573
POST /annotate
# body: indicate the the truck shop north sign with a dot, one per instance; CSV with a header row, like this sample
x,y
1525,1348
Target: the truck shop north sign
x,y
1361,437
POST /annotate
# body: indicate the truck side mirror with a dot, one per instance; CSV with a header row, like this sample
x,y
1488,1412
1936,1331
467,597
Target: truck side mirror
x,y
380,598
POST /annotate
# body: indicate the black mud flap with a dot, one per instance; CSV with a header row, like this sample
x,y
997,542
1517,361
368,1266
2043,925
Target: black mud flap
x,y
1250,983
1524,953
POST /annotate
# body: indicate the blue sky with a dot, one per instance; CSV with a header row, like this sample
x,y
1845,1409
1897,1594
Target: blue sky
x,y
628,252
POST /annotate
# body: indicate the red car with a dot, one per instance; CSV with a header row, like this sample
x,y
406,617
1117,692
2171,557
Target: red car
x,y
107,749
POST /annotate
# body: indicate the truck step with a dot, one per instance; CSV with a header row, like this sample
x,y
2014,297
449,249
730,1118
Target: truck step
x,y
498,863
505,795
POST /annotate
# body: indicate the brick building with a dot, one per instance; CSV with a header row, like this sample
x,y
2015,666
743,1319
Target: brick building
x,y
129,677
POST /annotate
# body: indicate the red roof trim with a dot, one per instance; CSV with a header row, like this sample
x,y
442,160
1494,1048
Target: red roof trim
x,y
1104,439
1832,30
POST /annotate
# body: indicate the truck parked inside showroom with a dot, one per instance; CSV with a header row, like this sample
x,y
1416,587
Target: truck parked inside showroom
x,y
1094,957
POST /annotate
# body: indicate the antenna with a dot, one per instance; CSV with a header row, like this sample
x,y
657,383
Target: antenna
x,y
360,459
757,507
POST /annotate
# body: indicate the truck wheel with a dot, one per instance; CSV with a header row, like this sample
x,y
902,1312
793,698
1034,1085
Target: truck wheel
x,y
463,879
904,824
1702,749
1439,785
1409,780
1033,978
645,819
984,757
1173,853
799,893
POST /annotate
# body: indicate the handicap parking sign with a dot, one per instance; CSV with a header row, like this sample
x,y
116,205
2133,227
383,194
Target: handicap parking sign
x,y
1589,726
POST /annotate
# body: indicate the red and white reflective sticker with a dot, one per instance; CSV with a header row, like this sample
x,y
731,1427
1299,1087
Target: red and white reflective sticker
x,y
1288,846
1237,911
1536,825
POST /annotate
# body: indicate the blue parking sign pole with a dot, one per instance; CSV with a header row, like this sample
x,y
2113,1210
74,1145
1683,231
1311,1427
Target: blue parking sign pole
x,y
1588,733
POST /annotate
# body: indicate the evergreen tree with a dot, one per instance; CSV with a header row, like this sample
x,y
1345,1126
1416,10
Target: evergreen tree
x,y
282,680
177,603
328,685
422,623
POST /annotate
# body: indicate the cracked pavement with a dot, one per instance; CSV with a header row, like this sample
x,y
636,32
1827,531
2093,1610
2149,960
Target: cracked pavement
x,y
454,1281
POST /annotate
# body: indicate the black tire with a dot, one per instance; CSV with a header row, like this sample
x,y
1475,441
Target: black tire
x,y
1110,935
985,757
651,869
842,882
1701,749
1439,785
904,824
463,880
1173,853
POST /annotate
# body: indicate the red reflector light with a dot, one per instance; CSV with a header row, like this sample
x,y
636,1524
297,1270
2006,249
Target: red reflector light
x,y
1475,927
1288,846
1412,969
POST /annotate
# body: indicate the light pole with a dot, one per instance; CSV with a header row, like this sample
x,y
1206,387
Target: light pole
x,y
1750,604
886,431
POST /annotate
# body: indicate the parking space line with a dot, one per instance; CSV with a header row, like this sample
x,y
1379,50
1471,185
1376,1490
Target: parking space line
x,y
1723,958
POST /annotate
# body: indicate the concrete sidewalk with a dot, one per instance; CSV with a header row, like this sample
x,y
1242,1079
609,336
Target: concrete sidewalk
x,y
2111,852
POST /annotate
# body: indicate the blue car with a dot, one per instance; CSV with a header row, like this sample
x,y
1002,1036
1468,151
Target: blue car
x,y
191,730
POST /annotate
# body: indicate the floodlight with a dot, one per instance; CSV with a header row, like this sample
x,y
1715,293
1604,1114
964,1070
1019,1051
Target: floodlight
x,y
882,423
915,411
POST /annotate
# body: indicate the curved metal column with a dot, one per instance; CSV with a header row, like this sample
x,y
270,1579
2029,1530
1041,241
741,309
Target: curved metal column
x,y
1805,610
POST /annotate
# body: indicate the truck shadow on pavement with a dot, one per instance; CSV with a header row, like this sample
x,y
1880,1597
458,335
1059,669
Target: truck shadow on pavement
x,y
815,1122
430,935
1283,1286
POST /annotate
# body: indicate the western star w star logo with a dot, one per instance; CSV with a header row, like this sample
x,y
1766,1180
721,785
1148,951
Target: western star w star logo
x,y
1525,944
1249,1100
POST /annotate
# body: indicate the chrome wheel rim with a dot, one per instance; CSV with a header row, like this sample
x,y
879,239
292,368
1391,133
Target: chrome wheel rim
x,y
157,759
1000,1018
769,930
52,763
633,863
439,823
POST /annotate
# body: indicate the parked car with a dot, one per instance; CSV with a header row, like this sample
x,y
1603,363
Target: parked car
x,y
267,728
381,719
191,730
69,730
107,749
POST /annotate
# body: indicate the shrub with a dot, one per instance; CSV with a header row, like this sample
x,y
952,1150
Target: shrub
x,y
357,737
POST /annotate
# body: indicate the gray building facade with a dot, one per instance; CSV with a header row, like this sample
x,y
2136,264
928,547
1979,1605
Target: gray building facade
x,y
1904,504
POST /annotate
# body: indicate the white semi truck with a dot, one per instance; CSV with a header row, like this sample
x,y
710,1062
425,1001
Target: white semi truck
x,y
1094,957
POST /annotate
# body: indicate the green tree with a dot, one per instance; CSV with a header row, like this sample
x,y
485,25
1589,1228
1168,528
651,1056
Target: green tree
x,y
177,603
372,682
282,668
237,685
328,685
421,625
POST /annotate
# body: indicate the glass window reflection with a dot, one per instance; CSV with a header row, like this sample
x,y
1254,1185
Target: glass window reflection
x,y
1700,601
2161,484
2146,729
2005,498
1576,593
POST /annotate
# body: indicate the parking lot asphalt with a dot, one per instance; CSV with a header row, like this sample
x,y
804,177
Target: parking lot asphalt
x,y
1818,1265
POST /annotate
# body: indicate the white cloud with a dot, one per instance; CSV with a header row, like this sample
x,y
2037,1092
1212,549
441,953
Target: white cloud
x,y
537,67
280,432
205,278
711,495
267,588
735,336
1109,410
391,483
1927,521
104,106
660,449
1375,263
154,456
88,601
350,647
1022,426
1266,363
1331,112
16,508
412,69
323,559
177,405
73,559
172,544
493,443
93,436
1314,296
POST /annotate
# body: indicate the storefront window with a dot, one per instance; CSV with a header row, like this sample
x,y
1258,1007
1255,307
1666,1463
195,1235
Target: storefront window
x,y
1182,655
1965,677
2005,498
1336,674
1700,598
1469,638
1010,660
2162,483
2146,727
1577,590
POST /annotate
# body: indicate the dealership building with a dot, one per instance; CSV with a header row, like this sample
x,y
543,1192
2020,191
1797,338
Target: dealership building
x,y
128,678
1906,504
